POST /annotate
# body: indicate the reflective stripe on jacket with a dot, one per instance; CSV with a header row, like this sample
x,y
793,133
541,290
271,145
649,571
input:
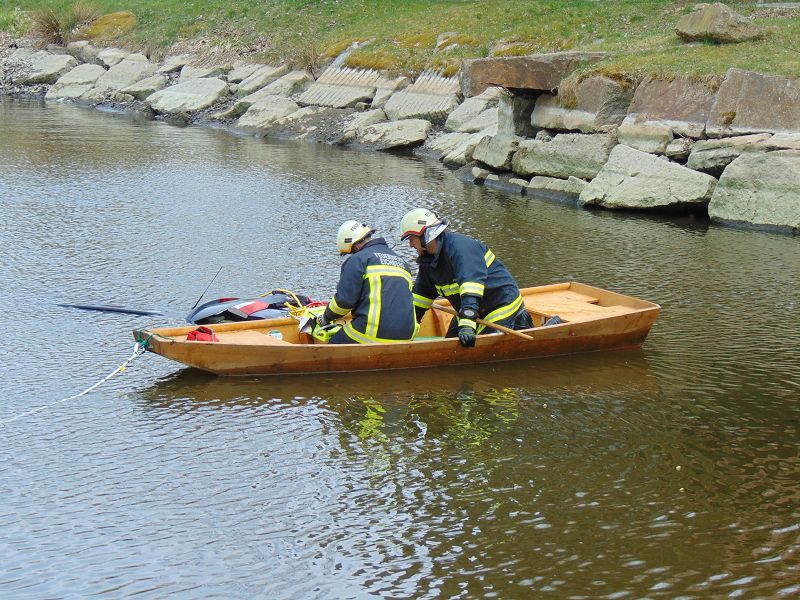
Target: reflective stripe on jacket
x,y
468,274
375,286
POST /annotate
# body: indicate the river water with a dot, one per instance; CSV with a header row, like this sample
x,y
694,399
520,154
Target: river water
x,y
670,471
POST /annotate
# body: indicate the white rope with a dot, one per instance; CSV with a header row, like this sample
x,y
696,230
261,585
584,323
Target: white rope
x,y
138,350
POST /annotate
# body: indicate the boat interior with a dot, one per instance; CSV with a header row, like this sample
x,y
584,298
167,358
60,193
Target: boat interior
x,y
571,301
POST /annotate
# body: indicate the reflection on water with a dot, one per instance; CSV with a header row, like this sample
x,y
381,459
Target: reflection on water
x,y
662,472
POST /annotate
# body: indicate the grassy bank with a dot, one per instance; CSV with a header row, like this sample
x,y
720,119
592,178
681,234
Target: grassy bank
x,y
403,34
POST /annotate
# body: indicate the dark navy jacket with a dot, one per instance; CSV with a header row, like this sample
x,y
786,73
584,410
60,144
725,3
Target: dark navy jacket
x,y
375,286
469,275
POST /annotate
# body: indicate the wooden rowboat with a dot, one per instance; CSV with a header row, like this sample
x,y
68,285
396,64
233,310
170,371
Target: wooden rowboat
x,y
594,319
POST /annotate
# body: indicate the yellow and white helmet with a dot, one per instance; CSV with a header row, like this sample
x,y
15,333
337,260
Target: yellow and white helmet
x,y
423,223
351,232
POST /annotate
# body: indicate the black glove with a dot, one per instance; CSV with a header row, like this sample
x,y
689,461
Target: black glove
x,y
321,320
466,335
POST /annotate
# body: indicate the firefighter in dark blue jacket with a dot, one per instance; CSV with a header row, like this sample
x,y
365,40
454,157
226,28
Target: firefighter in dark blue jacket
x,y
464,271
375,286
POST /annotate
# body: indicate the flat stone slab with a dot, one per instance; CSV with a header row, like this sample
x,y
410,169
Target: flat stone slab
x,y
568,187
340,87
261,77
637,180
128,71
395,134
749,102
197,72
431,97
189,96
143,89
109,57
290,84
174,63
242,72
77,82
760,189
264,114
533,72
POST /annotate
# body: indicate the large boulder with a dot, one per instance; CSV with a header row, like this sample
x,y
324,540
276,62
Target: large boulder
x,y
760,189
77,82
749,102
636,180
679,103
718,23
597,104
542,72
192,95
567,154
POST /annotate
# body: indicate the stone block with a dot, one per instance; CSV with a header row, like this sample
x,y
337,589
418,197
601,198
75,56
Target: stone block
x,y
600,105
749,102
567,154
542,72
497,151
648,137
680,103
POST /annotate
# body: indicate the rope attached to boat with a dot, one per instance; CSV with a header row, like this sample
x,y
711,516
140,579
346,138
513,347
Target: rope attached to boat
x,y
138,349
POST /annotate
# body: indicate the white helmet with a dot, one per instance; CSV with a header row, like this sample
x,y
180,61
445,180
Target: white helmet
x,y
351,232
423,223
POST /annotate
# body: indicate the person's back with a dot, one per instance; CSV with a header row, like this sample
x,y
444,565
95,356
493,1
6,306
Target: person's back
x,y
375,287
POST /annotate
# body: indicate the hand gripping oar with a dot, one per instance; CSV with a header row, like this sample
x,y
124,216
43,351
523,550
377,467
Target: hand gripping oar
x,y
451,311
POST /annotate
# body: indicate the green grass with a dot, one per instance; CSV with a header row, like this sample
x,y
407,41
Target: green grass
x,y
639,33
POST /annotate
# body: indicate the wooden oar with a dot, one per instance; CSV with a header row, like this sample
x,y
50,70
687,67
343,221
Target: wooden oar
x,y
451,311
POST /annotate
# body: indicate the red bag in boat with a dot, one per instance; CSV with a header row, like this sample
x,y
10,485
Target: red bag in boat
x,y
201,334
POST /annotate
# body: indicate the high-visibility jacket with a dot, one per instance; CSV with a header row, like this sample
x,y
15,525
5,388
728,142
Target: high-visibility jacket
x,y
469,275
375,286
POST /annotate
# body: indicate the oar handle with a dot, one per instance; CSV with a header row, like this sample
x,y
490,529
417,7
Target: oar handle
x,y
451,311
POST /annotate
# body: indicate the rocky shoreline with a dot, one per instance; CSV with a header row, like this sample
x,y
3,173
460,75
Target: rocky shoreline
x,y
520,124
